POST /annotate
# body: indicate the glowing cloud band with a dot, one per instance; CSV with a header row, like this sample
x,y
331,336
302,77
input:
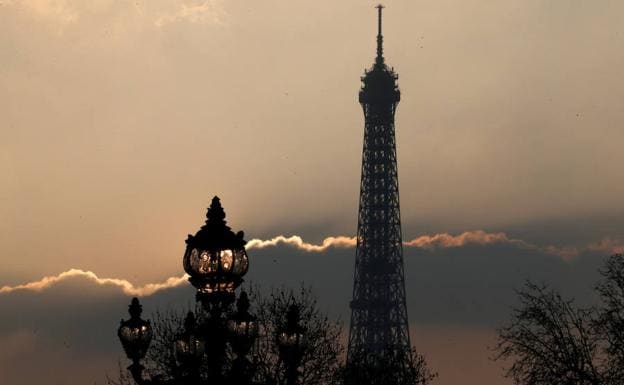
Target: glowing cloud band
x,y
297,242
428,242
433,242
125,286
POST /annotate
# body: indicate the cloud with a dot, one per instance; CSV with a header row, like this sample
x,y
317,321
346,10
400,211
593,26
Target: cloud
x,y
427,242
67,12
208,11
482,238
61,11
127,287
299,243
444,241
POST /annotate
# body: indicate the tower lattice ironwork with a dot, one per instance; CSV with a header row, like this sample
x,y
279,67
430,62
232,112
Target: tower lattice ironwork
x,y
379,325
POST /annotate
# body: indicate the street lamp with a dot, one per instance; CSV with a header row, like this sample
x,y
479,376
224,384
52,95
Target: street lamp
x,y
291,343
216,261
135,335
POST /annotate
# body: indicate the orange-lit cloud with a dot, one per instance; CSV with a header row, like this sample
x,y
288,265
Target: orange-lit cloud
x,y
430,242
480,237
445,240
442,241
126,286
299,243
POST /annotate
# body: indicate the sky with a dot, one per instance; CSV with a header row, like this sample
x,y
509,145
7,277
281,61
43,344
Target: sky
x,y
120,120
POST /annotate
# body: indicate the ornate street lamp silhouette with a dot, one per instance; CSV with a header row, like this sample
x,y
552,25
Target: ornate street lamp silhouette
x,y
216,261
135,335
291,343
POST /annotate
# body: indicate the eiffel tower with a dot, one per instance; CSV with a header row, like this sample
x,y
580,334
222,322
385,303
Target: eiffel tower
x,y
379,328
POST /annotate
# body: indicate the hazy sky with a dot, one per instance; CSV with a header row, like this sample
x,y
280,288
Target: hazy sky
x,y
121,119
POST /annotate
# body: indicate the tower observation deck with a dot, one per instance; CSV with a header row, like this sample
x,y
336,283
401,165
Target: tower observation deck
x,y
379,331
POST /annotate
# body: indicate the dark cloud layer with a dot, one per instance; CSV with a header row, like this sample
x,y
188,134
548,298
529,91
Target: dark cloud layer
x,y
458,295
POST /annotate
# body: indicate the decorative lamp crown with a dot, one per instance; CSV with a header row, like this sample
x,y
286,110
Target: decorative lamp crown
x,y
215,257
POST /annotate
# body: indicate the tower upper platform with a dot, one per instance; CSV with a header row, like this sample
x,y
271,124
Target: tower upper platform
x,y
379,83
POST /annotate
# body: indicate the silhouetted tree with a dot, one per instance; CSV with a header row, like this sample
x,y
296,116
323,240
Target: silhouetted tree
x,y
610,320
552,341
320,349
549,340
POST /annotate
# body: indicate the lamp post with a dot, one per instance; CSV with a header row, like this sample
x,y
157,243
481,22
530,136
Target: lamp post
x,y
216,261
242,329
291,344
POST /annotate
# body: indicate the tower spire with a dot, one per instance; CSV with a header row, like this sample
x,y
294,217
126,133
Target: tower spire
x,y
379,59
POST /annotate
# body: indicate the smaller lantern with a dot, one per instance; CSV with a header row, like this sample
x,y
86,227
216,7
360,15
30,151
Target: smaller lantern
x,y
135,334
188,346
242,327
291,339
215,257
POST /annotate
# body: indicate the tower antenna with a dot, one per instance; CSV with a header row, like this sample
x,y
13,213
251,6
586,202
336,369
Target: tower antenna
x,y
379,59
